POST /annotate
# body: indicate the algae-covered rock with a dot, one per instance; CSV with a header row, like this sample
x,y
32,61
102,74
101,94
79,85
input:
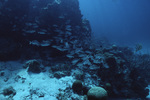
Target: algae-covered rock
x,y
9,91
77,86
33,66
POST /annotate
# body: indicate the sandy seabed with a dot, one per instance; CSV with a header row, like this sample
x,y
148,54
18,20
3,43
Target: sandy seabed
x,y
23,82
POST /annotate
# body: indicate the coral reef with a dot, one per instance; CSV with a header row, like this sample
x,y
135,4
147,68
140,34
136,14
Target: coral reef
x,y
58,40
97,93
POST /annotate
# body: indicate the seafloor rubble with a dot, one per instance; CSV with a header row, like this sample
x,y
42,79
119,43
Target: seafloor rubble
x,y
47,53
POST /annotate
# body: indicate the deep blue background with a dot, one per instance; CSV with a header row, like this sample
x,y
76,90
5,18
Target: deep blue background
x,y
123,22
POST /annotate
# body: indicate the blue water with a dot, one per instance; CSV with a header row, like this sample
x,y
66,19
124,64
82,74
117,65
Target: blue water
x,y
124,22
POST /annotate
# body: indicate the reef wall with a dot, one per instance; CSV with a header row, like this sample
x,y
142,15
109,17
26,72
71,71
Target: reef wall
x,y
32,24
